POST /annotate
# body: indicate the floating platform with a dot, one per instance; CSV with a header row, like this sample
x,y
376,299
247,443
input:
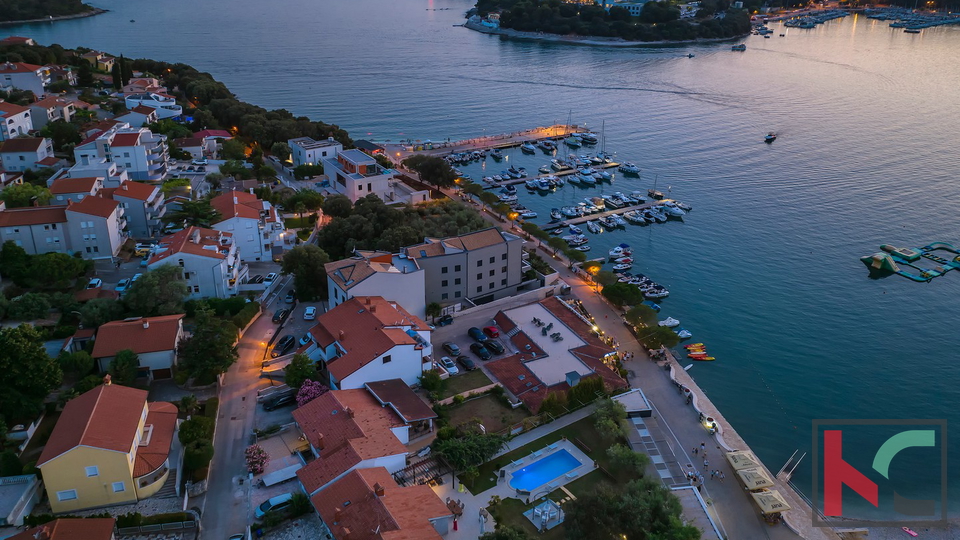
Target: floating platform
x,y
941,256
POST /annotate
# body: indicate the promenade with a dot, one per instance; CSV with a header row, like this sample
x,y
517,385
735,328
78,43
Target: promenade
x,y
400,151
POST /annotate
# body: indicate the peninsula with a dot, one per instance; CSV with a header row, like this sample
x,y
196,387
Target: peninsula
x,y
22,11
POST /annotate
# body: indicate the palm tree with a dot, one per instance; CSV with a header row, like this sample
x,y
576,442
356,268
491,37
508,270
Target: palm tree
x,y
433,310
197,213
188,404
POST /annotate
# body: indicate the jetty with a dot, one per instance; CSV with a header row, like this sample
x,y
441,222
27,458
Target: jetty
x,y
403,150
605,213
565,172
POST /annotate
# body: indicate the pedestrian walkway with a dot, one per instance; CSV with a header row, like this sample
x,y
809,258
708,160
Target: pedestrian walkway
x,y
537,432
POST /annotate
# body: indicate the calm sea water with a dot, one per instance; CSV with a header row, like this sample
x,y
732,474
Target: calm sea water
x,y
765,270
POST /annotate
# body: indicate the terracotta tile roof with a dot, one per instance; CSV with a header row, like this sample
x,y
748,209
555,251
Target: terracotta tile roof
x,y
232,204
23,144
433,247
189,142
347,273
401,398
51,102
505,323
193,241
519,380
555,306
49,161
94,206
345,427
592,357
481,239
160,335
215,133
352,506
70,529
19,67
126,139
106,417
63,186
365,327
12,40
162,416
9,109
135,190
144,110
37,215
523,342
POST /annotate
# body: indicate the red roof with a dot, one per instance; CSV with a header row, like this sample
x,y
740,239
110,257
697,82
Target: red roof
x,y
9,109
162,417
144,110
19,67
352,506
141,335
126,139
404,401
194,241
94,206
38,215
49,161
50,102
15,40
62,186
215,133
106,417
23,144
237,204
70,529
135,190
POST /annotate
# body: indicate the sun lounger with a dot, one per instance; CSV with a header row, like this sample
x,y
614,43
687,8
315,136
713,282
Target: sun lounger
x,y
571,475
553,446
517,463
552,485
538,453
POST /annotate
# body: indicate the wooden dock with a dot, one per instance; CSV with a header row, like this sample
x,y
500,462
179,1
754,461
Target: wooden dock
x,y
605,213
565,172
402,151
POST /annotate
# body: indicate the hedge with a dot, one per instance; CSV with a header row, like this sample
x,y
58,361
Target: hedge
x,y
243,318
210,407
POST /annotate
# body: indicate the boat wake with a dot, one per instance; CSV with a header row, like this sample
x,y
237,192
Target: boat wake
x,y
679,92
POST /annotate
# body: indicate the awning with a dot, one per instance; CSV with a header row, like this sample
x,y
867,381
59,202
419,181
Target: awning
x,y
755,478
743,460
770,502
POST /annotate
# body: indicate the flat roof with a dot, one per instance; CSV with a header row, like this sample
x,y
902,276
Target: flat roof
x,y
357,157
634,401
559,360
308,143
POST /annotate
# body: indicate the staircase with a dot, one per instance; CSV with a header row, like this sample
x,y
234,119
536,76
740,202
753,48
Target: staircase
x,y
169,489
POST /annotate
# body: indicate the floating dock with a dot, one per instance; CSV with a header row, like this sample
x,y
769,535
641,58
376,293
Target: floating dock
x,y
891,258
605,213
565,172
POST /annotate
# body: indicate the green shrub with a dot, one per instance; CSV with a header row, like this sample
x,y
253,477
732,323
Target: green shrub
x,y
133,519
210,407
458,399
173,517
196,429
431,381
299,505
197,454
245,315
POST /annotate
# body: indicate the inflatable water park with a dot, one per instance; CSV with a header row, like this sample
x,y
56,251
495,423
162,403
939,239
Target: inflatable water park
x,y
930,261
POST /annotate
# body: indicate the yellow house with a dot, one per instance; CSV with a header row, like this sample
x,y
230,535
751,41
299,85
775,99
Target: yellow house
x,y
99,60
109,447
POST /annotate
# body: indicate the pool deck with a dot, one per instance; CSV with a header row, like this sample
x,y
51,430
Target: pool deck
x,y
586,466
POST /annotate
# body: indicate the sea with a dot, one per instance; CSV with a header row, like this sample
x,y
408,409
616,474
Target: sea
x,y
764,270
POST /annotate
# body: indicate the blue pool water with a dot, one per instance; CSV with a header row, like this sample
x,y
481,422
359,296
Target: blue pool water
x,y
544,470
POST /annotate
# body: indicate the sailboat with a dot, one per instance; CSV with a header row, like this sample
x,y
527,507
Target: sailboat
x,y
654,194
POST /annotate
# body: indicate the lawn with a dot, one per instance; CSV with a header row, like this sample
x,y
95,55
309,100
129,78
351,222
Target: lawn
x,y
297,222
510,512
462,383
493,414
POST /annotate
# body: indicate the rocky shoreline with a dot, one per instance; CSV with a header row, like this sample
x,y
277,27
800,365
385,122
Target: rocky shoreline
x,y
587,40
91,13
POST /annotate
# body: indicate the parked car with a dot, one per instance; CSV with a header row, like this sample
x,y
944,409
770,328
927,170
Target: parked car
x,y
144,261
481,351
279,401
449,365
141,250
199,162
283,346
280,316
310,314
290,297
491,331
271,277
476,334
123,285
307,338
451,348
467,363
493,346
95,283
445,320
135,278
274,504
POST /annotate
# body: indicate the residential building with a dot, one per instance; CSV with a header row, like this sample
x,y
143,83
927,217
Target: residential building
x,y
71,529
112,175
368,339
24,77
142,153
99,60
475,268
8,179
209,259
17,40
165,105
15,121
51,109
256,225
377,273
356,175
194,146
63,73
139,116
18,495
306,151
143,85
367,504
27,153
369,147
635,7
41,229
211,139
66,189
97,227
143,206
108,447
154,339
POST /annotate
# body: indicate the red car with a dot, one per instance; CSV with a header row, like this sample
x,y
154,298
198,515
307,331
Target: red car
x,y
491,331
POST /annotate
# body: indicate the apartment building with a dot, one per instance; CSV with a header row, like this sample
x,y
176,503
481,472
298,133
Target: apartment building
x,y
209,259
15,121
139,151
256,225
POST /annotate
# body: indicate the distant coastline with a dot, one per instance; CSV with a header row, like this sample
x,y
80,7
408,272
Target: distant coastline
x,y
595,41
91,13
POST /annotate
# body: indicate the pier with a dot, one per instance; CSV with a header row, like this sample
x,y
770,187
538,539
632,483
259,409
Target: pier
x,y
565,172
401,151
605,213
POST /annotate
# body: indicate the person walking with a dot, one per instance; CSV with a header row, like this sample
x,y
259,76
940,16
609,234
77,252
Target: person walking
x,y
721,476
712,474
695,450
702,447
705,464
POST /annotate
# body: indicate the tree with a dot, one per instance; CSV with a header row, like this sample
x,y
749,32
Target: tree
x,y
57,270
656,337
433,310
620,294
28,307
300,369
188,404
126,70
158,292
27,373
85,75
215,180
306,263
78,363
98,311
641,315
10,464
233,149
557,244
302,172
506,533
64,134
469,450
488,198
280,150
14,261
627,463
19,195
337,206
606,277
197,454
197,428
299,208
117,76
608,419
198,213
123,367
309,391
211,349
432,169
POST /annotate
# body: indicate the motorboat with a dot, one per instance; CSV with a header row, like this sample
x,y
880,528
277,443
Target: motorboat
x,y
619,220
682,206
638,196
586,178
635,217
654,194
497,178
558,165
612,202
522,172
652,305
547,146
657,293
657,215
608,222
582,248
570,211
604,175
623,250
532,184
594,227
545,184
514,171
529,214
556,214
573,142
623,260
575,230
623,266
589,138
528,148
770,137
683,334
509,190
669,322
544,169
577,240
496,154
508,198
670,210
629,168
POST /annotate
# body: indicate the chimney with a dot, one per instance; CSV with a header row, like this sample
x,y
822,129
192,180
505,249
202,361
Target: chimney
x,y
337,513
349,411
319,439
123,186
373,309
146,324
378,489
346,534
367,300
341,334
106,380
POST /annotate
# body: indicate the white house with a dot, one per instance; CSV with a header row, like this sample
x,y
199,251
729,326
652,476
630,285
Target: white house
x,y
27,153
255,225
211,139
377,273
165,105
209,259
139,116
194,146
356,175
306,151
139,151
24,77
66,189
143,206
51,109
154,339
367,339
15,121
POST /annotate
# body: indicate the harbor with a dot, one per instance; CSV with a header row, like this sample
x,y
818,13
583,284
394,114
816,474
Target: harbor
x,y
406,148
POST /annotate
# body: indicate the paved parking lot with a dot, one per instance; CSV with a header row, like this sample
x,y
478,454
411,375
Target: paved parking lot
x,y
457,333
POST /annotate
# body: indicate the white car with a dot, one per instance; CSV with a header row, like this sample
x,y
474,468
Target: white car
x,y
449,365
271,277
310,314
95,283
199,162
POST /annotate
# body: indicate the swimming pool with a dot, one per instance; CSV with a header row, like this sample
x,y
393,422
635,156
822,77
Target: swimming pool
x,y
544,470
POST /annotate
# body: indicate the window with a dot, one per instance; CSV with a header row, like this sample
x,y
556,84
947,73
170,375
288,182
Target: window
x,y
368,187
456,294
490,287
503,270
359,187
93,238
126,154
480,275
86,237
443,270
119,487
503,257
67,495
444,296
479,289
457,281
180,261
479,264
92,470
492,272
503,282
186,275
386,359
443,283
492,259
456,268
196,288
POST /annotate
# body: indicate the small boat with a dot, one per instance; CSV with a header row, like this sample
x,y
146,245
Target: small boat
x,y
496,154
669,322
911,31
529,214
657,293
652,305
544,170
556,214
608,222
671,210
690,55
576,230
693,345
582,248
654,194
594,227
624,266
740,47
509,190
589,138
532,184
604,175
547,146
522,172
770,137
528,148
570,211
578,240
635,217
508,198
623,250
684,334
629,168
573,142
702,358
557,165
619,220
909,531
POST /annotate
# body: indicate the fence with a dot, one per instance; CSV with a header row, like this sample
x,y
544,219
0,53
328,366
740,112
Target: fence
x,y
160,527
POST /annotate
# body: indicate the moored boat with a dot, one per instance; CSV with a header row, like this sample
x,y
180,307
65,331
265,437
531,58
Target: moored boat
x,y
669,322
528,148
629,168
